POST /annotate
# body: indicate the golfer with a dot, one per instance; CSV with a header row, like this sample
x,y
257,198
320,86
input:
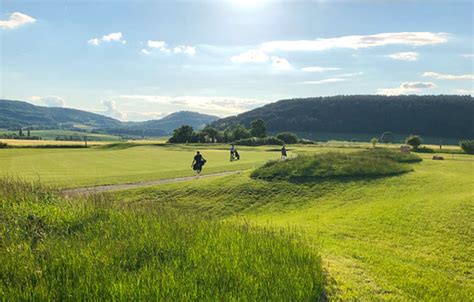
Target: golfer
x,y
284,155
232,152
198,162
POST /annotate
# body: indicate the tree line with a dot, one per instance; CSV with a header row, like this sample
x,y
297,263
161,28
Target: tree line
x,y
447,116
254,135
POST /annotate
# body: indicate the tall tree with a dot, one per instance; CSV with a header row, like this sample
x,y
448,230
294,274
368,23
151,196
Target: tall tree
x,y
258,128
183,134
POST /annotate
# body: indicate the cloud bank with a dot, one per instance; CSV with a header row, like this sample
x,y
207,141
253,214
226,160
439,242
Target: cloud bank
x,y
451,77
407,88
113,111
49,100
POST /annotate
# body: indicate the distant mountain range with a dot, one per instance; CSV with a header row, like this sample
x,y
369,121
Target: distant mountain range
x,y
448,116
17,114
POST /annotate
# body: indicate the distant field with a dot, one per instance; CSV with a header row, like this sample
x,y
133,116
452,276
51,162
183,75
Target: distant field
x,y
27,142
52,134
366,137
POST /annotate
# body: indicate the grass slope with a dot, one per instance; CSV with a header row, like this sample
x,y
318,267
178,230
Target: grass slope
x,y
406,237
97,249
366,163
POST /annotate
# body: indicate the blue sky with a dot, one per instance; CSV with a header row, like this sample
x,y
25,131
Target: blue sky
x,y
139,60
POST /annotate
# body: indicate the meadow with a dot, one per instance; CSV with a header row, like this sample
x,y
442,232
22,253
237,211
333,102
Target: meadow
x,y
401,237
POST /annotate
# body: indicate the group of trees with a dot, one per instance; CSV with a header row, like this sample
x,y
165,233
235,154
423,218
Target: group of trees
x,y
239,134
21,134
186,133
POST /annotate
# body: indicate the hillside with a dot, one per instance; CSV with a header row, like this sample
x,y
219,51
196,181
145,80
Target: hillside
x,y
17,114
441,116
165,125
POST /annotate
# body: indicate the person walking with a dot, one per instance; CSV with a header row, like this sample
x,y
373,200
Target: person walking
x,y
232,152
198,162
284,155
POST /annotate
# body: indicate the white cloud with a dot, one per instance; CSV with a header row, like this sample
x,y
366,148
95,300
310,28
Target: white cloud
x,y
280,64
468,55
319,69
348,75
357,41
161,45
404,56
49,100
189,50
325,81
451,77
221,106
251,56
15,20
406,88
113,111
146,51
112,37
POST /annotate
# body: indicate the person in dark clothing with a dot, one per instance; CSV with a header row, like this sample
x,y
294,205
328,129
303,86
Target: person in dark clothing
x,y
198,162
283,153
232,152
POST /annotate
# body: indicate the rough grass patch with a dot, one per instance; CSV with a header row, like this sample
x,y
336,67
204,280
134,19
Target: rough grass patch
x,y
362,164
95,248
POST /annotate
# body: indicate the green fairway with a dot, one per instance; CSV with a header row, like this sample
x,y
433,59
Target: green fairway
x,y
96,166
406,237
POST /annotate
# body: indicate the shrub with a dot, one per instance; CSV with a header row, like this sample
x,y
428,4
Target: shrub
x,y
363,164
305,141
288,137
374,142
424,150
258,141
3,145
467,146
414,140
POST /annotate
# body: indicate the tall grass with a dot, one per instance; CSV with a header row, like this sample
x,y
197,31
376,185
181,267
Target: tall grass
x,y
362,164
96,248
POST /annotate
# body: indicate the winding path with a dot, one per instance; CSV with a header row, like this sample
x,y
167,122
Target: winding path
x,y
118,187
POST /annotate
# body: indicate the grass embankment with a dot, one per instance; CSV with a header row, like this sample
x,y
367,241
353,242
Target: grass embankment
x,y
362,164
98,249
404,238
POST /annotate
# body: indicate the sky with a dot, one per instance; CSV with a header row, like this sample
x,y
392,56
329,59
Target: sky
x,y
141,60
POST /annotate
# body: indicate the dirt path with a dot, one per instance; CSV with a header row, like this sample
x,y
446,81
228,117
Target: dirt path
x,y
118,187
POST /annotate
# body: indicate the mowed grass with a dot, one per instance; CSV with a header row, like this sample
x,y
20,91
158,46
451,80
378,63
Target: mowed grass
x,y
405,237
121,163
101,250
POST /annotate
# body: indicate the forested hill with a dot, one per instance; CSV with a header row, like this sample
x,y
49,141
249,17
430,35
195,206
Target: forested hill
x,y
165,125
16,114
447,116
